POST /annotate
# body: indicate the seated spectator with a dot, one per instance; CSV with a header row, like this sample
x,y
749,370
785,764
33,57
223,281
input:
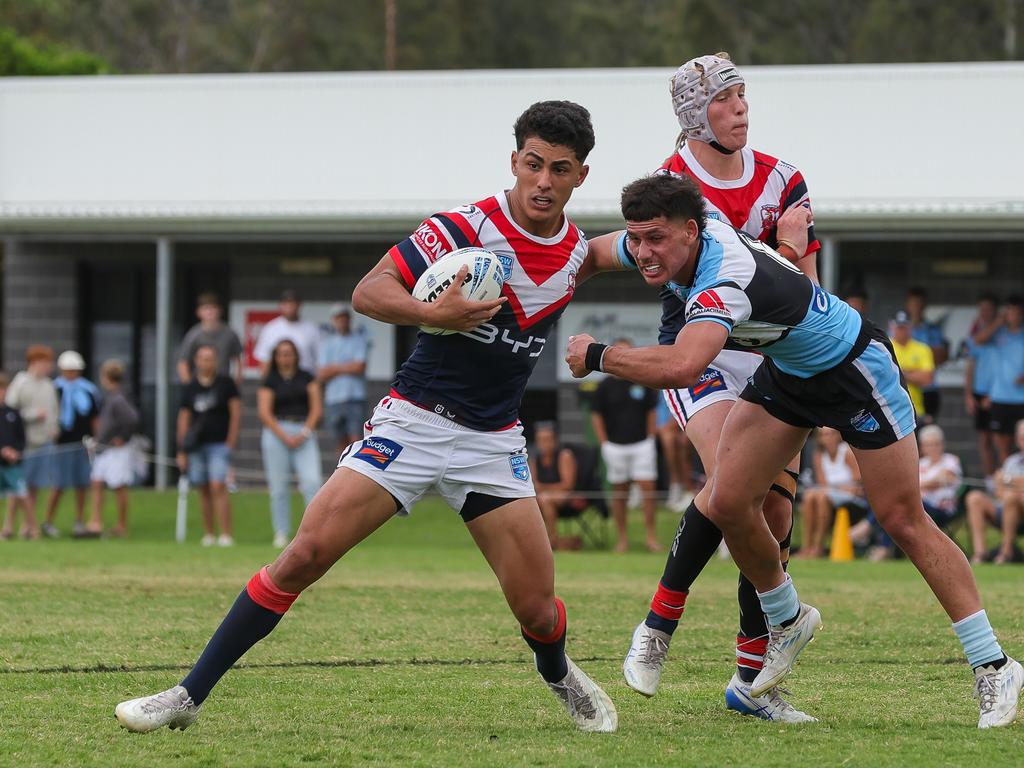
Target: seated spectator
x,y
114,466
78,407
290,407
1005,511
208,422
940,474
837,484
554,478
12,479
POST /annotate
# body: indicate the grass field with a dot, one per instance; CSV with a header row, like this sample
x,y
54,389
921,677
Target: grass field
x,y
405,654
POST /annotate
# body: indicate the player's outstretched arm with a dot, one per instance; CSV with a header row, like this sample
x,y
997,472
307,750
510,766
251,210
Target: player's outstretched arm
x,y
791,234
605,254
383,295
664,367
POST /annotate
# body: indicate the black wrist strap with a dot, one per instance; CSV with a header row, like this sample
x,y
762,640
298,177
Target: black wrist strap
x,y
595,352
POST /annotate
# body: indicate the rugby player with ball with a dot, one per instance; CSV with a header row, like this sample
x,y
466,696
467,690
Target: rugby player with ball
x,y
450,423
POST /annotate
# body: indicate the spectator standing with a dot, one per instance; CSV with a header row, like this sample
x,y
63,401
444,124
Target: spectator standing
x,y
78,408
675,447
12,479
343,375
1006,334
208,422
982,360
290,406
623,416
114,466
837,484
554,478
211,330
930,334
34,396
1005,511
916,361
304,336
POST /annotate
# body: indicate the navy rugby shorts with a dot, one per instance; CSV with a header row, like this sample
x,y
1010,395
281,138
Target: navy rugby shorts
x,y
864,397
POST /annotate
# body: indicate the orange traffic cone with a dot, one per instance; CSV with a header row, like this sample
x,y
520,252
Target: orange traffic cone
x,y
842,544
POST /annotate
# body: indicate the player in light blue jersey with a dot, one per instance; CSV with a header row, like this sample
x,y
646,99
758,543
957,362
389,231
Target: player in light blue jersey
x,y
823,366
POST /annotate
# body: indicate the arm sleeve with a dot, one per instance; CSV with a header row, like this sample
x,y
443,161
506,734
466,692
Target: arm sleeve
x,y
724,304
435,237
794,194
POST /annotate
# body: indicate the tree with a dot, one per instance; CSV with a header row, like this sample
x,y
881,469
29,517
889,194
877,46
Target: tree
x,y
19,57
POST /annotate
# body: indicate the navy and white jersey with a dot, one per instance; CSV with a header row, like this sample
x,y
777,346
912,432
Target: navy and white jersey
x,y
765,303
477,377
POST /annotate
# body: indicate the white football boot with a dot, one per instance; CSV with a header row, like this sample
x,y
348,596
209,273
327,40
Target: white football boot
x,y
173,708
646,657
784,645
588,706
998,691
771,706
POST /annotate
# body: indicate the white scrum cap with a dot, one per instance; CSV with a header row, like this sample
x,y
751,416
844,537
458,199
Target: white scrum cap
x,y
694,85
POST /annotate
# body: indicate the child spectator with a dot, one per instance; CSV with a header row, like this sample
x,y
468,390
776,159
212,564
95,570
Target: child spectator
x,y
34,397
114,467
12,479
1005,511
78,408
208,423
837,479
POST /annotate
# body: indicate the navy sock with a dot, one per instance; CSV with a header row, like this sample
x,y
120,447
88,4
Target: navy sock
x,y
246,624
549,651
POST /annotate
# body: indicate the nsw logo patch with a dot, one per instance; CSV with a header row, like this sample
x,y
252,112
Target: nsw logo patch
x,y
378,451
865,422
520,466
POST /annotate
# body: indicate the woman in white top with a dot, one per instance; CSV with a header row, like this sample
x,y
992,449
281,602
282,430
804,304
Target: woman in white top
x,y
838,483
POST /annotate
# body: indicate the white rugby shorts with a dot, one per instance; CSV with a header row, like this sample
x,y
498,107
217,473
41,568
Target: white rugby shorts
x,y
633,461
408,451
724,379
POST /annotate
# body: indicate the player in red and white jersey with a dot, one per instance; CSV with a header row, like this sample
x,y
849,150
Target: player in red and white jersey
x,y
451,422
766,198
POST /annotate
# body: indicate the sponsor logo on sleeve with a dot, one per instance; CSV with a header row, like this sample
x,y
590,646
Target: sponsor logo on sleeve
x,y
520,466
378,451
710,381
430,241
708,304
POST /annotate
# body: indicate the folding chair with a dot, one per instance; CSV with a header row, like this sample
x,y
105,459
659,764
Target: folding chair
x,y
588,509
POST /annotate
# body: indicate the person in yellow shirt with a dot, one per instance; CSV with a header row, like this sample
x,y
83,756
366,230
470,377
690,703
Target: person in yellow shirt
x,y
916,360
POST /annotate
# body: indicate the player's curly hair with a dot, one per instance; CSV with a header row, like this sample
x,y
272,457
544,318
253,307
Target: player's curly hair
x,y
663,194
557,122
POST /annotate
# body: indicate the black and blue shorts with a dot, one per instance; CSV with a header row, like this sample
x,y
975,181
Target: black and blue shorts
x,y
865,397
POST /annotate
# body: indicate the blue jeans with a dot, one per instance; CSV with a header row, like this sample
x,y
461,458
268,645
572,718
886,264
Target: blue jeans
x,y
279,461
209,464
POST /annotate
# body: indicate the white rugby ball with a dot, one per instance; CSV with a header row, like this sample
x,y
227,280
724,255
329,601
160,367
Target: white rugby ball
x,y
483,281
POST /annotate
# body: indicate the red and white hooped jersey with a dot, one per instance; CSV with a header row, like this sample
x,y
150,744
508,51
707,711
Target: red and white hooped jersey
x,y
477,378
753,203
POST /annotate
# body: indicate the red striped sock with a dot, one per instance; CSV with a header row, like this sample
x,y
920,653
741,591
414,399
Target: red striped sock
x,y
264,592
750,655
668,603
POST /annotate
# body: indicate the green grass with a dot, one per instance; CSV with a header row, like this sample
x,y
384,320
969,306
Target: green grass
x,y
405,654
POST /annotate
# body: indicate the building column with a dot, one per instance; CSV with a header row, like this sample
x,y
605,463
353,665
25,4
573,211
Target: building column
x,y
164,291
830,264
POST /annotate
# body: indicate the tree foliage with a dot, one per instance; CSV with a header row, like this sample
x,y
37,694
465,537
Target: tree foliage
x,y
323,35
18,56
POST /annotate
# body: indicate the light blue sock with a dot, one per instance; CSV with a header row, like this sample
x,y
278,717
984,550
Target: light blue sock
x,y
780,604
978,639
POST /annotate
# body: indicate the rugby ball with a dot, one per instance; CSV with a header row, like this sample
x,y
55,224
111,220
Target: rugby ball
x,y
483,281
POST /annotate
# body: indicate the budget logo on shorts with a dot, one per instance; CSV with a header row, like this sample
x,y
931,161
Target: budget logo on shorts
x,y
520,466
865,422
710,381
378,451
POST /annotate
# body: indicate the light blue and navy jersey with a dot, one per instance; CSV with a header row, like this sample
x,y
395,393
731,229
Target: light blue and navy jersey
x,y
985,358
766,304
1009,354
